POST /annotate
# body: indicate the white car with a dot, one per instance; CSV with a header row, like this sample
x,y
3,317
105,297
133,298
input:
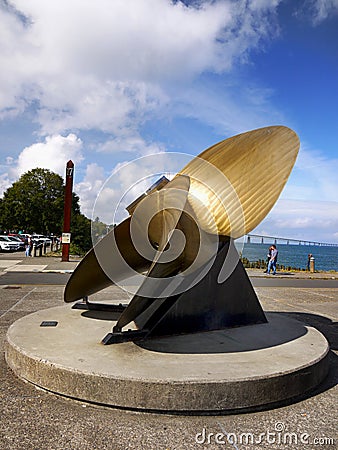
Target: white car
x,y
18,241
6,245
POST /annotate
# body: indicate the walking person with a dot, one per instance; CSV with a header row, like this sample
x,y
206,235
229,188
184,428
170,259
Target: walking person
x,y
29,246
273,260
309,256
26,246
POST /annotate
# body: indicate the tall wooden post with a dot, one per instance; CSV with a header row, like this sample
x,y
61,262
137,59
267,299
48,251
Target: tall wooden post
x,y
67,211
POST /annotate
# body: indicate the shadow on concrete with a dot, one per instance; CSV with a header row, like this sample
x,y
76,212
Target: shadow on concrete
x,y
279,330
323,324
229,340
329,329
102,315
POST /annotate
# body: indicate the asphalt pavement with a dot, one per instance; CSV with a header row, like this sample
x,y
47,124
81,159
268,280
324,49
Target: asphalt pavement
x,y
15,268
35,419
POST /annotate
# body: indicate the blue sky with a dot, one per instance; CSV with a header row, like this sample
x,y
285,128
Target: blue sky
x,y
107,82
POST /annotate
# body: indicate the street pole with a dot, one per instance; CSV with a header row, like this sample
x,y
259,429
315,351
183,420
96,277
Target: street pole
x,y
67,211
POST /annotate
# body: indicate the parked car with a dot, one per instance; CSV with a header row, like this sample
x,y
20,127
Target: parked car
x,y
24,236
20,236
6,245
20,243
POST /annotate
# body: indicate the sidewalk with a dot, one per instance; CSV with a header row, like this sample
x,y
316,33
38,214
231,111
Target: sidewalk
x,y
19,263
294,274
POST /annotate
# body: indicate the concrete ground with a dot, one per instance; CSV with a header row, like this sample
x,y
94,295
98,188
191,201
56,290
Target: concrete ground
x,y
35,419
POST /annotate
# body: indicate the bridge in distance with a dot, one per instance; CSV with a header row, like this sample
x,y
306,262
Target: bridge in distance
x,y
268,239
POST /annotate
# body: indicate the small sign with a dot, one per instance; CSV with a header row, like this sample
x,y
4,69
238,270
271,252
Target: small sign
x,y
69,171
66,238
48,323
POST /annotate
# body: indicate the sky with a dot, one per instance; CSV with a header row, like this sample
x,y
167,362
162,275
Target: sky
x,y
111,82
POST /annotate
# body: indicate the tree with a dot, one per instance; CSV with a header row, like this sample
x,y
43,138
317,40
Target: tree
x,y
35,203
99,229
81,232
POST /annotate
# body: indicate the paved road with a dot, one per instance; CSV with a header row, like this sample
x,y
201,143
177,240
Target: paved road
x,y
15,269
35,419
45,278
293,282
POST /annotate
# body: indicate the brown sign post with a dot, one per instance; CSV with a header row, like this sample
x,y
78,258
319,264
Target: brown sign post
x,y
67,211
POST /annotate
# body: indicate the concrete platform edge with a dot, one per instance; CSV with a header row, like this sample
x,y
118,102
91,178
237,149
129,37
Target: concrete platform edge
x,y
164,395
213,398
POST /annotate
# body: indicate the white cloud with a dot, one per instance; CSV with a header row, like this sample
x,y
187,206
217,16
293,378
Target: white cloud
x,y
5,183
91,38
101,195
130,179
299,219
231,110
318,10
130,144
51,154
89,187
111,66
314,177
88,103
322,9
308,207
311,217
105,65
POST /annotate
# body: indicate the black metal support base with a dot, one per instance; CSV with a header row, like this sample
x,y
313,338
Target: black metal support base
x,y
89,306
209,305
124,336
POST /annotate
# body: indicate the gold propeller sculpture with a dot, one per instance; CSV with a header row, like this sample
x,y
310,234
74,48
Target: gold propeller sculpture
x,y
179,237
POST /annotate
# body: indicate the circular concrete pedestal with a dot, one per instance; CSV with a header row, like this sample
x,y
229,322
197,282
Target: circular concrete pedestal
x,y
223,370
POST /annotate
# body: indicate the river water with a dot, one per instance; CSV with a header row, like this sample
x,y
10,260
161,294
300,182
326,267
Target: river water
x,y
296,256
